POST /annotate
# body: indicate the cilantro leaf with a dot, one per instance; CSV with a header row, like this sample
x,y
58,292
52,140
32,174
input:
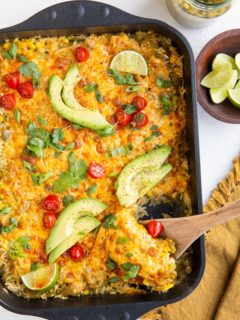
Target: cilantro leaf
x,y
12,225
162,83
17,115
90,87
42,121
129,108
5,210
68,199
122,240
109,222
111,265
35,266
130,269
11,53
113,280
99,96
92,189
132,89
27,165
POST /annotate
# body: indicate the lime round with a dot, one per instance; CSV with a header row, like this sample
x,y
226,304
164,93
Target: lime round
x,y
237,85
41,279
234,96
219,77
130,61
222,58
237,60
218,95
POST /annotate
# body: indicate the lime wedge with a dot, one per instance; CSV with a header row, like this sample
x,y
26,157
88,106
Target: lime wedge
x,y
237,85
234,96
218,95
130,61
41,279
222,58
218,77
237,60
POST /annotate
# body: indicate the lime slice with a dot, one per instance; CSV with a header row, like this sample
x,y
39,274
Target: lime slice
x,y
218,77
234,96
222,58
237,60
237,85
218,95
130,61
42,279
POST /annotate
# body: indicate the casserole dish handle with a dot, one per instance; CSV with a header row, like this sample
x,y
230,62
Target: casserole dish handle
x,y
73,15
107,312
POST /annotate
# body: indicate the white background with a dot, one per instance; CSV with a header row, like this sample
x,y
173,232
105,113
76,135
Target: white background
x,y
219,142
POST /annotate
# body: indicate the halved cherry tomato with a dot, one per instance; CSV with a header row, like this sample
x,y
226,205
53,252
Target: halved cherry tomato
x,y
26,90
8,101
139,102
155,228
12,79
141,119
51,203
96,171
123,118
81,54
76,252
49,219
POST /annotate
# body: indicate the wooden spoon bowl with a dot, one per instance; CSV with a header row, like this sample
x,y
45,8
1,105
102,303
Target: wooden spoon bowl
x,y
227,42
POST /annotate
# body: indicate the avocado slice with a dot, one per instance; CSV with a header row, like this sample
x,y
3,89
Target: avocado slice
x,y
83,226
72,110
67,222
141,175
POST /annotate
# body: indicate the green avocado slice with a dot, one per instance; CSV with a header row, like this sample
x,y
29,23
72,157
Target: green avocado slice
x,y
73,111
67,222
82,227
141,175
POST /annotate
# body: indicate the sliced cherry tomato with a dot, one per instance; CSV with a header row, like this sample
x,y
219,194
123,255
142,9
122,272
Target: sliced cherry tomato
x,y
123,118
76,252
12,79
49,219
141,119
139,102
26,90
96,171
51,203
155,228
81,54
8,101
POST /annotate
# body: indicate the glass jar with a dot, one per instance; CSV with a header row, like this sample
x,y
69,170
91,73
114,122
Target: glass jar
x,y
197,13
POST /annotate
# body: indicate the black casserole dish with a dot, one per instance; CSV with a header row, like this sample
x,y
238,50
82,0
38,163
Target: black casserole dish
x,y
92,17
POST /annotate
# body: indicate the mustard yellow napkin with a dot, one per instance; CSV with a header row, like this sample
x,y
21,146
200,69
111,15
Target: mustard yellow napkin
x,y
218,295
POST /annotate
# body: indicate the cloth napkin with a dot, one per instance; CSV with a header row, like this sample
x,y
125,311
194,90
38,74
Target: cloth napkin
x,y
218,295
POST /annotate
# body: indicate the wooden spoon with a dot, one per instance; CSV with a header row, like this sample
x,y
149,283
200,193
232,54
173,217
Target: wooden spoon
x,y
184,231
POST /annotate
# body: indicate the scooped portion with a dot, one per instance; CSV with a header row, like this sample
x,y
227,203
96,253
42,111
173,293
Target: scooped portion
x,y
142,174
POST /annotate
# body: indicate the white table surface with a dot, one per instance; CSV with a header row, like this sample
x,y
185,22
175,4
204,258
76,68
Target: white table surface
x,y
219,142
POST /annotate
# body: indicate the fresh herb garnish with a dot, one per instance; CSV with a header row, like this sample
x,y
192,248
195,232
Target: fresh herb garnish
x,y
128,255
42,121
15,247
130,269
77,172
17,115
109,222
132,89
113,280
155,133
5,210
35,266
57,135
38,178
68,199
122,240
92,189
77,126
99,96
111,265
69,146
121,79
57,154
113,174
22,58
168,103
90,87
28,166
30,69
162,83
154,127
12,225
139,117
11,53
120,151
129,108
